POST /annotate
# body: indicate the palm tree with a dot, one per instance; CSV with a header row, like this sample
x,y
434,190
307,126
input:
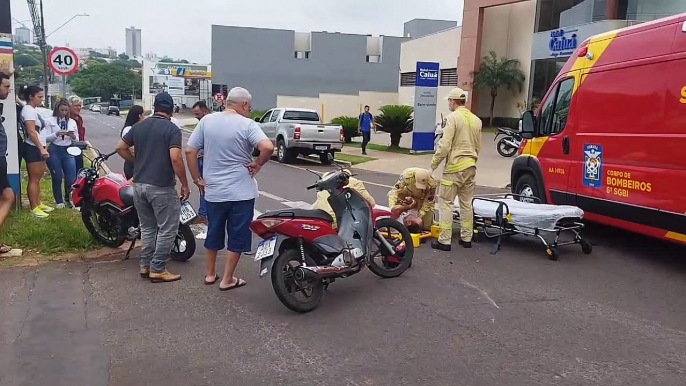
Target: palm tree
x,y
395,120
495,73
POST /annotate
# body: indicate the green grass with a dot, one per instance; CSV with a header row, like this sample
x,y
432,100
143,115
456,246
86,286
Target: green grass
x,y
353,159
377,147
61,233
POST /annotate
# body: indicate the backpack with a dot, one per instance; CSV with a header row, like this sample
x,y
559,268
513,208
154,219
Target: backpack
x,y
23,132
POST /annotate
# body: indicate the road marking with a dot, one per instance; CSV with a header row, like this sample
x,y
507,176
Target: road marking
x,y
320,173
297,204
272,196
256,214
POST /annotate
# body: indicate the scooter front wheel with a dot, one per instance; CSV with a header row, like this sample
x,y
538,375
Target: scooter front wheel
x,y
384,264
296,293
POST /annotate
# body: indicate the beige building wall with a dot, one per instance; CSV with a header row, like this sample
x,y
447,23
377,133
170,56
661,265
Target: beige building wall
x,y
331,106
442,47
507,30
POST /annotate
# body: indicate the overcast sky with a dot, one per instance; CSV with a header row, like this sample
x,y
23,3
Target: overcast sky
x,y
182,29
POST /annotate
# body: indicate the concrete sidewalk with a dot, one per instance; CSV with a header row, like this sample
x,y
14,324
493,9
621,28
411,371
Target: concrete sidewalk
x,y
493,169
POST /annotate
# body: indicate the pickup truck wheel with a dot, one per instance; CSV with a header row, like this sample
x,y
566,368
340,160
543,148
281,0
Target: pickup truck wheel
x,y
283,154
326,158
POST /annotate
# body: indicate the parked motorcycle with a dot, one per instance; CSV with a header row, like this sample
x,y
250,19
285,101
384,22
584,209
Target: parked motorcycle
x,y
304,254
508,145
107,210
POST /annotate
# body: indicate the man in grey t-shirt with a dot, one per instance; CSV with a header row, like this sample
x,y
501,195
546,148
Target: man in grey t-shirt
x,y
158,159
227,140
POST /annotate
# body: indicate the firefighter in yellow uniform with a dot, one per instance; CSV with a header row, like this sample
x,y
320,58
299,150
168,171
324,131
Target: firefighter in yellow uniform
x,y
419,185
459,148
354,184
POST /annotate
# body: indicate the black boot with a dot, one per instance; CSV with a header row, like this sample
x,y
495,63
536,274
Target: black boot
x,y
466,244
441,247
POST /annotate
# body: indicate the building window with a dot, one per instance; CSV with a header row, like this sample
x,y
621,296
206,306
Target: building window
x,y
373,58
302,54
408,79
448,77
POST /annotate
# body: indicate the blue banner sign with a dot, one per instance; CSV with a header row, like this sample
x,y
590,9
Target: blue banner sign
x,y
427,74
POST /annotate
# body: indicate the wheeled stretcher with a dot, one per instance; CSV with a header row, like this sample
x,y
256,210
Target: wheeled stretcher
x,y
496,217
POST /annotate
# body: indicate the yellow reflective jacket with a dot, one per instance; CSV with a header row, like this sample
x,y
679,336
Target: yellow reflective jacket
x,y
461,142
354,184
405,187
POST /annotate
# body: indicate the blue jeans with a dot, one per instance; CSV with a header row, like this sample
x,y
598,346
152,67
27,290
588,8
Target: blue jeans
x,y
229,226
202,212
62,166
158,210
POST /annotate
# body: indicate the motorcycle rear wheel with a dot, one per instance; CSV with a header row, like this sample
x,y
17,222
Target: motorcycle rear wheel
x,y
112,238
286,287
184,244
505,149
379,263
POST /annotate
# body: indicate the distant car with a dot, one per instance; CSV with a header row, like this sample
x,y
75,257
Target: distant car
x,y
103,109
95,108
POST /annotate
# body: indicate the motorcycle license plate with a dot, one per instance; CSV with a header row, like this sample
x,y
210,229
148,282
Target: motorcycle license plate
x,y
265,249
187,213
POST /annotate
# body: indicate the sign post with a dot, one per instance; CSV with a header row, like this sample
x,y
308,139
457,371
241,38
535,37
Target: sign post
x,y
63,61
425,95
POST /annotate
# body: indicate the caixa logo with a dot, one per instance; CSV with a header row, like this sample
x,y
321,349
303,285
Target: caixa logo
x,y
559,41
428,74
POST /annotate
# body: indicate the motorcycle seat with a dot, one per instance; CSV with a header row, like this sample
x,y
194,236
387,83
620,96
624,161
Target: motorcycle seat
x,y
317,214
126,195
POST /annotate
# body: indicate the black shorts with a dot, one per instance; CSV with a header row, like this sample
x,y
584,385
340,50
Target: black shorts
x,y
32,154
4,182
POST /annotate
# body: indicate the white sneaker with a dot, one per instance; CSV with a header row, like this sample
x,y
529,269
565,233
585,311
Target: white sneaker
x,y
60,206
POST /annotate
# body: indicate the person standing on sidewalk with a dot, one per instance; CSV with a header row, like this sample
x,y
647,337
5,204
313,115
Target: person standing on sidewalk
x,y
135,115
228,140
459,148
6,193
60,131
200,109
364,125
35,152
159,158
76,104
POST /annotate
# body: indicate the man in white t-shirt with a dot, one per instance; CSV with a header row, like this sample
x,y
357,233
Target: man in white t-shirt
x,y
228,140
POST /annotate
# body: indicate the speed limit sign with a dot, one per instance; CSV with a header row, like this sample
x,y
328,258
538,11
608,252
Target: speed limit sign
x,y
63,61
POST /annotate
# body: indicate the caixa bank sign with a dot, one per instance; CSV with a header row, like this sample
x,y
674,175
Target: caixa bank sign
x,y
427,74
563,42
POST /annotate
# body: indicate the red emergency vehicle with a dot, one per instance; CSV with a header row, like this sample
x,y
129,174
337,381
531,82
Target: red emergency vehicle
x,y
610,134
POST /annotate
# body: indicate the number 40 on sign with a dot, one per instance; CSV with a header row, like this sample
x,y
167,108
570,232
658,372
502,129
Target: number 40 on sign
x,y
63,61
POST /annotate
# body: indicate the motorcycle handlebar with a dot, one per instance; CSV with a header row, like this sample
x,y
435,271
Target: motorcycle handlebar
x,y
311,186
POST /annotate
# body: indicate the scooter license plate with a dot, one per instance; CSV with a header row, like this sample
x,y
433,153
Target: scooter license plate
x,y
265,249
187,213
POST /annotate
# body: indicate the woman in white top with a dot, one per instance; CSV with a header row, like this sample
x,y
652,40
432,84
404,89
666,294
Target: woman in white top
x,y
60,131
135,115
35,153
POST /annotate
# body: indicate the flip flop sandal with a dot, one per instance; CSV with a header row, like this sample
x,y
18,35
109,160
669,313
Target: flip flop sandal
x,y
216,277
239,283
5,249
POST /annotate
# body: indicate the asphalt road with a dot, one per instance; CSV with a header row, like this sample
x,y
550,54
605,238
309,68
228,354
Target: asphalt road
x,y
616,317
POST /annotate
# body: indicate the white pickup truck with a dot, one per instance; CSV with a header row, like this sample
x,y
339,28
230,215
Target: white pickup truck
x,y
300,132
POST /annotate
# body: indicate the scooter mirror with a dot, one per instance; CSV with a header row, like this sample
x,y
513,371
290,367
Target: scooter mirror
x,y
74,151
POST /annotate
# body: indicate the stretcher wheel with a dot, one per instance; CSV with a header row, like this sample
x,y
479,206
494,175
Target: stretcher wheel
x,y
552,254
586,247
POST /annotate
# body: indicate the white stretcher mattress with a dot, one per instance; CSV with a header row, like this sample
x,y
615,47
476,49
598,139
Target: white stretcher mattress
x,y
526,214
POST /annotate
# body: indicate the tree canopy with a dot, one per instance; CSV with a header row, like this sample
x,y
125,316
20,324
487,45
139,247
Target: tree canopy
x,y
104,80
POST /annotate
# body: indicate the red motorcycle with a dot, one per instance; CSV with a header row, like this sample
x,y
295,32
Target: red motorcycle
x,y
107,210
305,254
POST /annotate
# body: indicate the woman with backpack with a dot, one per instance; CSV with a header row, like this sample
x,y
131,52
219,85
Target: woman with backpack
x,y
35,152
135,115
60,131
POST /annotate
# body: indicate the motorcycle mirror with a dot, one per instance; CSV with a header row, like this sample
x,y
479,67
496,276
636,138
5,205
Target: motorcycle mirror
x,y
74,151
